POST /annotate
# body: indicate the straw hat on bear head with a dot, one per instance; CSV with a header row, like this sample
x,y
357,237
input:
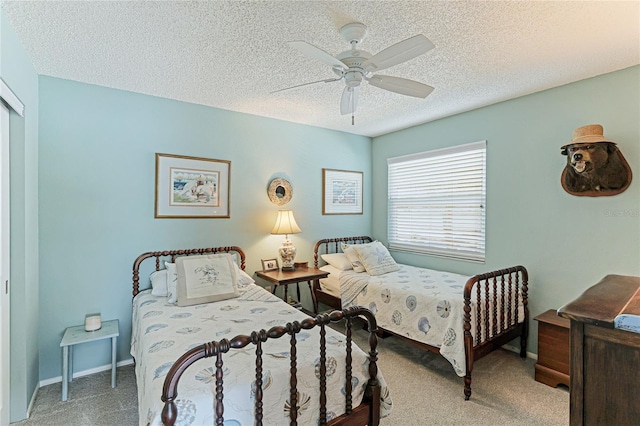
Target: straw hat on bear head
x,y
591,133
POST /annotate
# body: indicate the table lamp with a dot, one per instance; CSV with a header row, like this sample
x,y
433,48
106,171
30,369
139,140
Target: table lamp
x,y
285,225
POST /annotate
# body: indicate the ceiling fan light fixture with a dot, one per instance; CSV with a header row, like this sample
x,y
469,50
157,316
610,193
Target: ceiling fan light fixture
x,y
353,78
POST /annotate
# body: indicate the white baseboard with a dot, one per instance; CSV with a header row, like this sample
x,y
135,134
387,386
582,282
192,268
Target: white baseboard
x,y
516,349
77,374
32,401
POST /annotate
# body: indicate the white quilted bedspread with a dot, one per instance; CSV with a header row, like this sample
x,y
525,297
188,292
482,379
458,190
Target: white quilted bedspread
x,y
421,304
163,332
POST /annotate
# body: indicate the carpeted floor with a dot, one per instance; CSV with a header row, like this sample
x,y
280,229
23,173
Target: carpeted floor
x,y
91,402
424,388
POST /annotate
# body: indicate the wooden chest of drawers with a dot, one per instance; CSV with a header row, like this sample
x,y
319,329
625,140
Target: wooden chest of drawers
x,y
553,364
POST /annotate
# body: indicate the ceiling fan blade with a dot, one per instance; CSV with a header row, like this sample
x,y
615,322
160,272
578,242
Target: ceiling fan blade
x,y
401,85
316,53
398,53
329,80
349,100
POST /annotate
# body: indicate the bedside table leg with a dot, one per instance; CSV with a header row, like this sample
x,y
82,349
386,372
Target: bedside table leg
x,y
313,298
65,372
113,361
70,363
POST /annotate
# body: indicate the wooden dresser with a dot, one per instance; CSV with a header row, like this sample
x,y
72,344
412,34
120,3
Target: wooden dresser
x,y
553,363
605,361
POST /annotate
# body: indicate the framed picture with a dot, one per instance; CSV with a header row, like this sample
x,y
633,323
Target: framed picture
x,y
341,192
192,187
269,265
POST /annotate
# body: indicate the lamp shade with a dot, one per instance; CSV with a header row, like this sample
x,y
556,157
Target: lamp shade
x,y
285,224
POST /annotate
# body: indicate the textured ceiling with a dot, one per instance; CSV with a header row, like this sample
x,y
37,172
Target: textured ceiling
x,y
232,54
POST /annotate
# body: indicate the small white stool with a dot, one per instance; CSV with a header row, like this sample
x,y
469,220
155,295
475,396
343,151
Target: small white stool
x,y
75,335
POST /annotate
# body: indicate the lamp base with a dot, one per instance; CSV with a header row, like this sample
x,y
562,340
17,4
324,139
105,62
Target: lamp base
x,y
288,268
287,254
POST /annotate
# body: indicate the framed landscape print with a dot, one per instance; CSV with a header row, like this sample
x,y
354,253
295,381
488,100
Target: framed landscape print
x,y
341,192
192,187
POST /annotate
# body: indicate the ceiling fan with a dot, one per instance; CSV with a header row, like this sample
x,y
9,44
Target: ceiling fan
x,y
354,65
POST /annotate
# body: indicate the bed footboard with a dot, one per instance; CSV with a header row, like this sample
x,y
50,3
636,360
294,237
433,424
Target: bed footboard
x,y
367,412
497,317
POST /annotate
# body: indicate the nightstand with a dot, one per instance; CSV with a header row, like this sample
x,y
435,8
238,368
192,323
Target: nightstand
x,y
553,366
76,335
278,277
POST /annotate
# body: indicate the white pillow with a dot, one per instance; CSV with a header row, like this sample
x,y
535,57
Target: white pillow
x,y
172,282
331,284
236,257
376,258
337,260
332,270
206,278
243,278
356,264
159,283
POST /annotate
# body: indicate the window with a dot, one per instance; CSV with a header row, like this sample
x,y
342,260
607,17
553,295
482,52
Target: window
x,y
437,202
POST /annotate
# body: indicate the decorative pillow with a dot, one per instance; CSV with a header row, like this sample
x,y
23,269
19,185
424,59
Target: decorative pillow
x,y
376,258
356,264
172,282
207,278
337,260
159,283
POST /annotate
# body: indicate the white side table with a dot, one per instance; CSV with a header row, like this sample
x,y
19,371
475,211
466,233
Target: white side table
x,y
75,335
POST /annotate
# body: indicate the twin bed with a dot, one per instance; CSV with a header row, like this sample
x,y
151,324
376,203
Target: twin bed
x,y
462,318
271,364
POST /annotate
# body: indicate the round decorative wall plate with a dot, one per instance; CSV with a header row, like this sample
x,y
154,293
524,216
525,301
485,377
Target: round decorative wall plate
x,y
280,191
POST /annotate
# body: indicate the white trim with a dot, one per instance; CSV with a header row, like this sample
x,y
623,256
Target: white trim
x,y
11,99
5,267
33,401
436,152
77,374
516,349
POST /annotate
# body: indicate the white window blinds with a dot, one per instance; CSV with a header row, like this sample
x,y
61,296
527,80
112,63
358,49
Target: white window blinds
x,y
437,202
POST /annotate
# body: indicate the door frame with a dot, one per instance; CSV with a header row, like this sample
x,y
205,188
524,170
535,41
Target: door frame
x,y
8,99
5,305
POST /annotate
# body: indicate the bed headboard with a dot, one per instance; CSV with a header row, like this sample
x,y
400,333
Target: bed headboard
x,y
172,254
333,245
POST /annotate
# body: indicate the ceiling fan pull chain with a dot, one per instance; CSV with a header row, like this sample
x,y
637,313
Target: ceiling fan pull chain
x,y
353,108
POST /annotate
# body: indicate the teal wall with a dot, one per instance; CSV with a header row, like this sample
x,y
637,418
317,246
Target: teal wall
x,y
567,243
97,182
18,73
83,196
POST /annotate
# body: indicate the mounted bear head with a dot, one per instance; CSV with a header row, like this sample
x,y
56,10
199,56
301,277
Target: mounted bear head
x,y
595,166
